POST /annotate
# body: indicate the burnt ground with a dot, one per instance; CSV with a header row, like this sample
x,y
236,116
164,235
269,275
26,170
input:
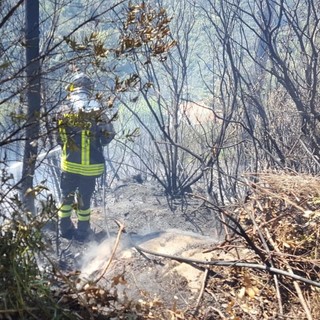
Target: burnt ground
x,y
184,228
136,272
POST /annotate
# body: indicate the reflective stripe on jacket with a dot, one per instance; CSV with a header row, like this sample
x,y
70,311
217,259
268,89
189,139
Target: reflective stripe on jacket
x,y
82,151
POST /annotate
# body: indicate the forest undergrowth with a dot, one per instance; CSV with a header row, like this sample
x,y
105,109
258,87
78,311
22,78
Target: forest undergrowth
x,y
278,228
267,267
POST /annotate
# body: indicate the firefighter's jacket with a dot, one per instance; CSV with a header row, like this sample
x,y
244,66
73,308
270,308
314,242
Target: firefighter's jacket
x,y
82,136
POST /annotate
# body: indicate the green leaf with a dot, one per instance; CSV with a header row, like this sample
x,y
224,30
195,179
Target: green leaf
x,y
5,65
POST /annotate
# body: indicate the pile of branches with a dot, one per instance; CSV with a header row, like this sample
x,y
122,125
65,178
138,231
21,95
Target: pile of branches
x,y
268,267
276,243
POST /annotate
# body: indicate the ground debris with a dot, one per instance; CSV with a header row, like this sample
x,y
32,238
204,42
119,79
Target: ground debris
x,y
277,227
282,221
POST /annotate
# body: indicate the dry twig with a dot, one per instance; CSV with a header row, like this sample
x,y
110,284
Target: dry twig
x,y
296,285
203,286
116,244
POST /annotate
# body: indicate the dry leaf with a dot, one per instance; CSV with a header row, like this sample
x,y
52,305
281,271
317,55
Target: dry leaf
x,y
229,307
245,308
119,279
242,292
250,292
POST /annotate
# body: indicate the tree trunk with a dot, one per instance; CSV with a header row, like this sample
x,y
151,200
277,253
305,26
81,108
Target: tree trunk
x,y
33,98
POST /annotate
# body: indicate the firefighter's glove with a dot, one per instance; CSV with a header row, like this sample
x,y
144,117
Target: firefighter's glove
x,y
107,133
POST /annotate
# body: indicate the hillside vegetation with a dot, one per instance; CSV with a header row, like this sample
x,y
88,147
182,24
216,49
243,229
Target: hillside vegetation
x,y
216,105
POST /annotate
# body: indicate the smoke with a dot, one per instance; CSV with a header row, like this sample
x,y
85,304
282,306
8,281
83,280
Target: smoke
x,y
96,257
171,241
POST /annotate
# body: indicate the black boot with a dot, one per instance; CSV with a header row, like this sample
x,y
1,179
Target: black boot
x,y
66,228
84,232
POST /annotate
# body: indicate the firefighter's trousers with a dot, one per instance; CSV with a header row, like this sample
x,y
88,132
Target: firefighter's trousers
x,y
76,193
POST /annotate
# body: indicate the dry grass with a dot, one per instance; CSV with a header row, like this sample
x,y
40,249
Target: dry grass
x,y
281,221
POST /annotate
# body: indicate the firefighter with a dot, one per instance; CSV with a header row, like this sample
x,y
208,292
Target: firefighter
x,y
84,129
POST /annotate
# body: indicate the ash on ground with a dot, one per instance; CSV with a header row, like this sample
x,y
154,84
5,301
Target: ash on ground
x,y
181,228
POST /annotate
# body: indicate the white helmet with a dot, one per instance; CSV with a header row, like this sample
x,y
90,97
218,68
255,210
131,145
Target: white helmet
x,y
80,88
81,83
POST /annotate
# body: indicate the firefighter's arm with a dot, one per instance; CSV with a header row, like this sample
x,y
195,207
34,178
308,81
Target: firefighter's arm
x,y
107,133
106,129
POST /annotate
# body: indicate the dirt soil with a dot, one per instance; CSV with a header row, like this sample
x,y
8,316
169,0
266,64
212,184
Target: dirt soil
x,y
133,273
181,229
